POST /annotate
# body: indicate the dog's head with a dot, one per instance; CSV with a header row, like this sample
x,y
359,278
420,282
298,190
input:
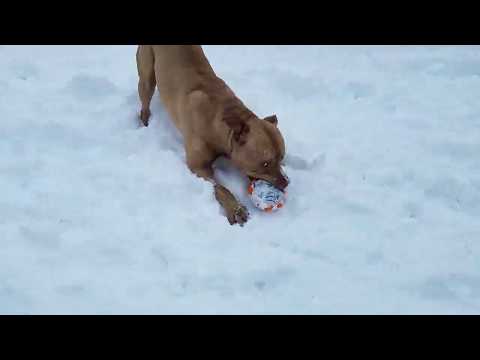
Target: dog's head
x,y
258,149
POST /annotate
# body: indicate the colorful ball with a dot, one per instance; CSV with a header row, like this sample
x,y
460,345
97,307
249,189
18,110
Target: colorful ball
x,y
265,196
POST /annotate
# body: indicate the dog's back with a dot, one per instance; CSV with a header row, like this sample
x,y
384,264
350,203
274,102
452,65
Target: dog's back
x,y
179,70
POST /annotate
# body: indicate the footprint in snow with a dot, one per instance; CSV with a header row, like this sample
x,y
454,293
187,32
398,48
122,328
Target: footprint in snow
x,y
298,163
90,88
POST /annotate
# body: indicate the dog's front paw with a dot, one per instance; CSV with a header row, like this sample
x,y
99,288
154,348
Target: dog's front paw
x,y
237,215
236,212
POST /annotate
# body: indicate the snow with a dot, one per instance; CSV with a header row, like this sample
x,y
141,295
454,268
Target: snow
x,y
99,216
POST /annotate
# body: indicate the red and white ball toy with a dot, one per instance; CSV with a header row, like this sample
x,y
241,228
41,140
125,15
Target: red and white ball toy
x,y
265,196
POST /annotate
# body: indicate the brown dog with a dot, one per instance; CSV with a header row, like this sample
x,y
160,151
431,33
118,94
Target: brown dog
x,y
212,120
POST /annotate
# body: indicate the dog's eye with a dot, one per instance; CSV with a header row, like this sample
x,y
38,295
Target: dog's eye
x,y
265,164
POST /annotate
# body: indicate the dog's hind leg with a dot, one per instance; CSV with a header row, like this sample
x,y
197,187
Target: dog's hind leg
x,y
146,82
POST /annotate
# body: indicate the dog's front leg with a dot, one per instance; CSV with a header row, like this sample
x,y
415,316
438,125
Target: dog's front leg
x,y
236,213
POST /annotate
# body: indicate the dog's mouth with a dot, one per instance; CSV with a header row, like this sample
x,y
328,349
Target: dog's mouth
x,y
280,183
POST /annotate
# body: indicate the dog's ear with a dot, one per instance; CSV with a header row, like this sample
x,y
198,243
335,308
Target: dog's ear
x,y
240,128
240,132
272,119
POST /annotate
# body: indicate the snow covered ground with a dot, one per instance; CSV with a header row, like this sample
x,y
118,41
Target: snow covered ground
x,y
100,216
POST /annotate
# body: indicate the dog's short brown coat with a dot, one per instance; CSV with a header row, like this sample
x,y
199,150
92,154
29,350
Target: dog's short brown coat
x,y
212,120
